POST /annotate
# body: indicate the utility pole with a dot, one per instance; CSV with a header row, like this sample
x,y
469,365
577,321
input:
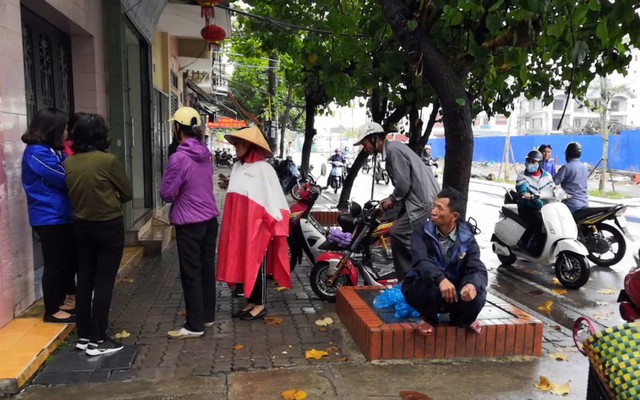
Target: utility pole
x,y
604,129
272,131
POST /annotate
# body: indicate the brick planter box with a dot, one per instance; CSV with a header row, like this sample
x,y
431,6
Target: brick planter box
x,y
326,218
507,331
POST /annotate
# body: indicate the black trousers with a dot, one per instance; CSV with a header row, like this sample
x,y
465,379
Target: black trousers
x,y
259,293
400,238
60,264
196,245
533,218
425,297
100,247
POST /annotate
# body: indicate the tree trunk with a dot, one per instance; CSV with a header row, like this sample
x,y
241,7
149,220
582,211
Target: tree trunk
x,y
604,128
309,131
285,119
448,86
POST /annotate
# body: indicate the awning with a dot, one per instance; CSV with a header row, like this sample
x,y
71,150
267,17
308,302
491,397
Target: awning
x,y
226,123
398,136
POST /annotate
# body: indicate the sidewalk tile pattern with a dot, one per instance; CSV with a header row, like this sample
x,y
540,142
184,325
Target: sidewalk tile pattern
x,y
507,331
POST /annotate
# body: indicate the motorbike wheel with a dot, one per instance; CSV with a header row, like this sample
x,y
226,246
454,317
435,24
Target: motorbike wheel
x,y
386,177
319,274
615,250
295,191
506,260
572,270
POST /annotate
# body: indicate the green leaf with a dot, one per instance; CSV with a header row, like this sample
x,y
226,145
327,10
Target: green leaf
x,y
578,52
456,17
602,32
579,14
461,102
557,28
594,5
412,25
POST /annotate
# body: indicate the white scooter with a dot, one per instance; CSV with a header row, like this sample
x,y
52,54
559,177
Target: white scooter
x,y
561,245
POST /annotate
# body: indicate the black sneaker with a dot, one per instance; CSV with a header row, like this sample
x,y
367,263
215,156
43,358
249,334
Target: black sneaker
x,y
82,344
106,346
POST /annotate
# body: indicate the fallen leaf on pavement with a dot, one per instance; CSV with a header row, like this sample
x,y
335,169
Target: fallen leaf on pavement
x,y
411,395
324,322
238,347
281,288
559,356
272,320
559,292
546,307
127,279
333,350
607,291
556,282
343,359
122,335
293,394
545,385
314,354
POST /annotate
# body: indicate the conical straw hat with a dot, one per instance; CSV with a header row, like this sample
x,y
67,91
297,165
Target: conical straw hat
x,y
252,135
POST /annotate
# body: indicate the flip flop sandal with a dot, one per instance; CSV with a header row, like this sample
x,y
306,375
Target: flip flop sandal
x,y
424,328
476,327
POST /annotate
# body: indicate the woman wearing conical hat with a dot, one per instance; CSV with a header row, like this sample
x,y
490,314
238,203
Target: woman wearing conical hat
x,y
255,224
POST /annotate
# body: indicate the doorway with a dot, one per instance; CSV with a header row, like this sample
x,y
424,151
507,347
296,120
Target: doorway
x,y
48,83
137,149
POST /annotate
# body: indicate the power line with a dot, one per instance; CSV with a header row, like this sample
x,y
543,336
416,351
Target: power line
x,y
285,25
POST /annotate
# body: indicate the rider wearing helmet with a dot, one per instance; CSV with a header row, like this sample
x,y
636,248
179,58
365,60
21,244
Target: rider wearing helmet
x,y
415,190
573,178
337,156
528,184
426,153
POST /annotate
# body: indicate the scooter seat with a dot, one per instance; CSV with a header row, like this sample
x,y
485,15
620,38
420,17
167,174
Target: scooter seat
x,y
511,212
347,222
589,211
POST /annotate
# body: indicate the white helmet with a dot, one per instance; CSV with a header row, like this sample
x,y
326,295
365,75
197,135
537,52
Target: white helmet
x,y
427,146
367,129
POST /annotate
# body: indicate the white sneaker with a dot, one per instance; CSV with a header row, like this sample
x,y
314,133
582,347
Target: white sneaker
x,y
107,346
183,333
209,324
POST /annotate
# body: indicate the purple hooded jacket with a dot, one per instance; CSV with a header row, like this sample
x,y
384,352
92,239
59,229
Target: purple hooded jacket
x,y
188,184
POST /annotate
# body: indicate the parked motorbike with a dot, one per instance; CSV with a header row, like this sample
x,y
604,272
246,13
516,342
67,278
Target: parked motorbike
x,y
629,297
560,244
223,158
306,235
305,177
366,167
605,243
380,174
369,254
432,164
288,173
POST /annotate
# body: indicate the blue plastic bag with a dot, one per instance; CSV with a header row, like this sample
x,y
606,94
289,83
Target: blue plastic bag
x,y
394,298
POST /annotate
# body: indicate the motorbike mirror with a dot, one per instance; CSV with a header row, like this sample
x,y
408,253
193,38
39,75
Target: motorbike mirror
x,y
355,209
474,226
323,170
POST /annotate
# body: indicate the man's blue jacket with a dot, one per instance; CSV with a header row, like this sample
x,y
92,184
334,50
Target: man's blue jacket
x,y
464,267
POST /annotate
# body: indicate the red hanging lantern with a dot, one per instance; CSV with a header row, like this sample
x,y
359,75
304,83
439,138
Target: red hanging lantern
x,y
213,34
207,9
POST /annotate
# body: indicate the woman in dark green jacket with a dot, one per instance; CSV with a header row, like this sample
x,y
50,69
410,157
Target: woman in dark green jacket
x,y
98,186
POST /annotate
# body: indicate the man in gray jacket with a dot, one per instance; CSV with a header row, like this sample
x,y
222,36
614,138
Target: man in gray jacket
x,y
415,190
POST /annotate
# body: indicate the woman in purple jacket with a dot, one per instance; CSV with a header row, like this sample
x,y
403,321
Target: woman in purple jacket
x,y
188,184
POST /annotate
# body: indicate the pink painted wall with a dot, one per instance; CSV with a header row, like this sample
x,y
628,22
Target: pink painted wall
x,y
81,19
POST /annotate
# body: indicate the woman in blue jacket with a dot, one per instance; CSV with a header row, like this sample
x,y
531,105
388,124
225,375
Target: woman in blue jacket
x,y
43,179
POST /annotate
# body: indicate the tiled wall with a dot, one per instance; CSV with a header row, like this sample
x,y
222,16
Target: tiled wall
x,y
86,30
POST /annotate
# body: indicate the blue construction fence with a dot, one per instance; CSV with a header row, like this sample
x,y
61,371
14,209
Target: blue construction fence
x,y
624,149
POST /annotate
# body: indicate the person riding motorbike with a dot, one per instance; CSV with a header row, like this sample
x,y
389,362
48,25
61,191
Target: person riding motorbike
x,y
548,164
415,190
573,177
529,184
336,157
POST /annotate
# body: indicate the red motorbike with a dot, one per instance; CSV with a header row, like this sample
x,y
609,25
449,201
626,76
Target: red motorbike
x,y
368,255
604,348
